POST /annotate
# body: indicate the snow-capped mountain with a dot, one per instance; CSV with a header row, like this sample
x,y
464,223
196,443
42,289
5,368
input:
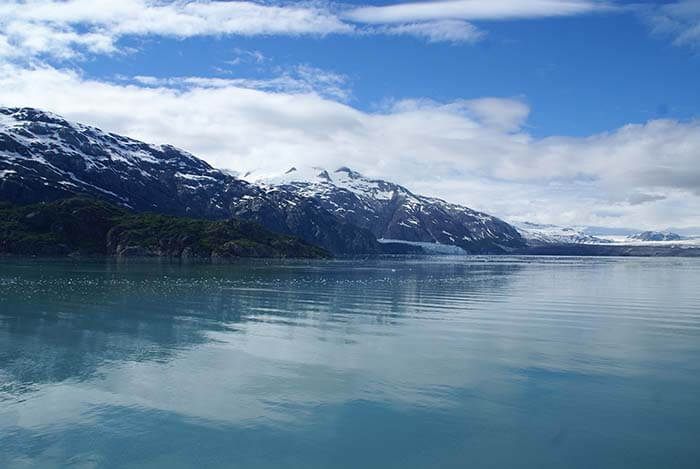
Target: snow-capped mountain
x,y
655,236
536,234
43,158
392,212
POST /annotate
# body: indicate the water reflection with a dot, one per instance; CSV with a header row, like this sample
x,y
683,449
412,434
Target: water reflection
x,y
393,363
78,317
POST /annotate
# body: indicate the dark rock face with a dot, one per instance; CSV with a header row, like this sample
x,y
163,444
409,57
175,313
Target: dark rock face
x,y
45,158
391,211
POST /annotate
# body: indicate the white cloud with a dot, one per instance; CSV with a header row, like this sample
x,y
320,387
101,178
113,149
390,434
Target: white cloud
x,y
448,20
474,152
437,31
250,56
29,39
63,28
680,20
300,79
473,10
178,18
506,114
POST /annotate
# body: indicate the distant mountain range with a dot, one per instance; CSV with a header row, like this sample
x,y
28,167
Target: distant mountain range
x,y
655,236
45,158
536,235
541,235
687,232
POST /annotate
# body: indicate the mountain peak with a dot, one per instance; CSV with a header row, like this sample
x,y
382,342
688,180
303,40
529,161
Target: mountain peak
x,y
350,173
29,114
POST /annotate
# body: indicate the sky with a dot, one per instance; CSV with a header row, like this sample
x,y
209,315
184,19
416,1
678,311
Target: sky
x,y
572,112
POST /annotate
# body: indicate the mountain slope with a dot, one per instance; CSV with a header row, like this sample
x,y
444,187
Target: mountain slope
x,y
392,212
45,158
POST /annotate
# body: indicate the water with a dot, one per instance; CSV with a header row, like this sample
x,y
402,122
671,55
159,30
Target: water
x,y
444,362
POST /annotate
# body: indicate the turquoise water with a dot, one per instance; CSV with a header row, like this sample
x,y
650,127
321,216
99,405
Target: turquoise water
x,y
438,362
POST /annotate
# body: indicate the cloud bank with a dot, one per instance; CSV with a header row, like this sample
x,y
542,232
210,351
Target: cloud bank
x,y
475,152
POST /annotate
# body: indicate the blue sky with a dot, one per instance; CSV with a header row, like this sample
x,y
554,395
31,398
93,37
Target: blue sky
x,y
562,111
581,75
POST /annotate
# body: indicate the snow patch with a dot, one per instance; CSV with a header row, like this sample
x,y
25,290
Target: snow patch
x,y
430,248
7,121
194,177
316,181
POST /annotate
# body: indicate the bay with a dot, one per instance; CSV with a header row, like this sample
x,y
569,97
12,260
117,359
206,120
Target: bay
x,y
444,362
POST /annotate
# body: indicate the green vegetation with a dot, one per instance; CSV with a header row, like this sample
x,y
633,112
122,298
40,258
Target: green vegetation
x,y
91,227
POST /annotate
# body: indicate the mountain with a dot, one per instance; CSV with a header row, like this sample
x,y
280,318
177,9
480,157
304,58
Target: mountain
x,y
394,214
88,226
537,235
45,158
655,236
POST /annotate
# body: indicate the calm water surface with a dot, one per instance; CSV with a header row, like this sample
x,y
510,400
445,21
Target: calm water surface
x,y
444,362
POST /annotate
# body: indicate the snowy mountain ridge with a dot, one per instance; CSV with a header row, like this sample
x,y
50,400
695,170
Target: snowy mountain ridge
x,y
316,179
44,158
390,211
